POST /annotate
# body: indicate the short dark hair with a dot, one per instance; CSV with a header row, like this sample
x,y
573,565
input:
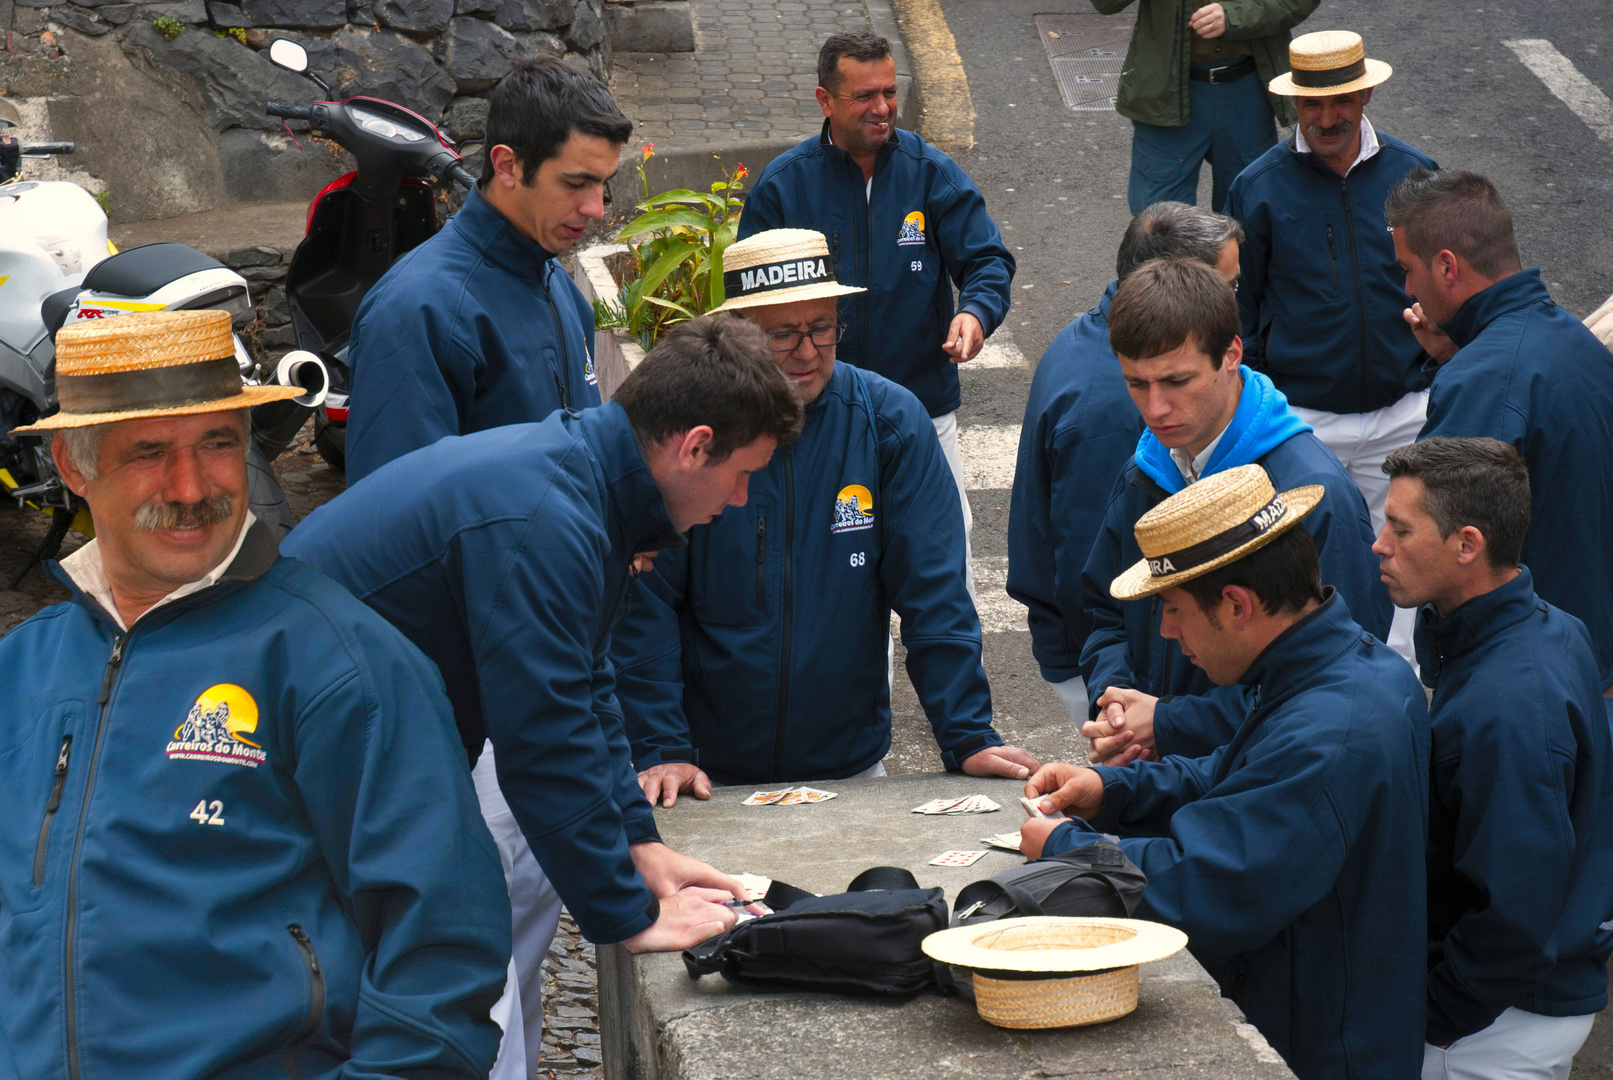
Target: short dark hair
x,y
535,108
860,45
1285,574
1457,211
1174,230
1163,303
714,371
1479,482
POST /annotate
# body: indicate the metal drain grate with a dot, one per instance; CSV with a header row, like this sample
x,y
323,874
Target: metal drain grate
x,y
1086,52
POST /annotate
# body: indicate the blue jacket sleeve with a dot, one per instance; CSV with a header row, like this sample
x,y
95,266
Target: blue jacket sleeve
x,y
1106,658
438,927
762,209
561,763
647,649
1150,791
972,249
1514,844
921,570
1254,260
638,816
1194,725
1081,472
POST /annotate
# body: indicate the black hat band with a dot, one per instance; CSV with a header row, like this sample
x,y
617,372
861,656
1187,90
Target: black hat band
x,y
150,388
1196,555
770,277
1312,80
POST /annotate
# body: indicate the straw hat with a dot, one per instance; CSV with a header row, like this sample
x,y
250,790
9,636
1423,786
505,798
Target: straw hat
x,y
1046,972
779,266
1329,62
150,363
1206,525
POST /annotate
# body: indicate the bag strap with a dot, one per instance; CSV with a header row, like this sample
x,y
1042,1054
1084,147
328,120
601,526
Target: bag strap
x,y
883,877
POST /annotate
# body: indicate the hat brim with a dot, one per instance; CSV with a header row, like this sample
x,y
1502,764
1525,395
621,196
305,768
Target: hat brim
x,y
1137,582
964,946
818,291
1377,72
248,397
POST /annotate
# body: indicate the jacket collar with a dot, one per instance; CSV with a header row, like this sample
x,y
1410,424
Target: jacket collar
x,y
491,233
1469,626
839,384
1306,647
1503,298
1101,312
828,149
1261,423
638,514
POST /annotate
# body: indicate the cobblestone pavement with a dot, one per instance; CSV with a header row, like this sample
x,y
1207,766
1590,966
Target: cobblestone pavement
x,y
751,75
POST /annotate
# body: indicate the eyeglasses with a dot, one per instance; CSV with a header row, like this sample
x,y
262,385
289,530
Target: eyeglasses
x,y
787,341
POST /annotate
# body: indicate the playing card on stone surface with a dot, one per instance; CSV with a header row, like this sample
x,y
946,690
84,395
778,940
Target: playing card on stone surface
x,y
1006,841
806,795
936,806
957,858
767,798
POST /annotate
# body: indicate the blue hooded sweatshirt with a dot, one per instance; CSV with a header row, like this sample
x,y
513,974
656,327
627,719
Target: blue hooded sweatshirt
x,y
1293,856
923,230
504,555
476,328
237,840
1530,374
1124,647
1520,831
1080,428
759,651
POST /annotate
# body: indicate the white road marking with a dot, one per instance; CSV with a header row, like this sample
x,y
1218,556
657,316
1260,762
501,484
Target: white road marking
x,y
1564,80
998,352
988,452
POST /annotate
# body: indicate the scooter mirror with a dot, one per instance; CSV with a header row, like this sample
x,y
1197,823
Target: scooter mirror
x,y
288,54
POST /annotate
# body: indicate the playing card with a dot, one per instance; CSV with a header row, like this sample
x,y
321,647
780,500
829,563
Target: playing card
x,y
1032,809
756,885
1006,841
767,798
806,795
957,858
937,806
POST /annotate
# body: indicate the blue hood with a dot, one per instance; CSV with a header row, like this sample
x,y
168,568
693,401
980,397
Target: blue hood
x,y
1262,423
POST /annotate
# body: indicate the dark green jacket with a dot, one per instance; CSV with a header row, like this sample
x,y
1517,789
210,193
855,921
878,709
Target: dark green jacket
x,y
1153,83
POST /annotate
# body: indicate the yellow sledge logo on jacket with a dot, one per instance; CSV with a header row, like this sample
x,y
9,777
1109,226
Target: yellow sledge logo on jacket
x,y
854,509
912,230
216,727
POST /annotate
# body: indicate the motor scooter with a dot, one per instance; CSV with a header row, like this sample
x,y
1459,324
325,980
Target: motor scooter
x,y
359,224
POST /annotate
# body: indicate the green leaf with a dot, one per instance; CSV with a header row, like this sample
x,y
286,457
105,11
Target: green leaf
x,y
674,257
675,307
664,219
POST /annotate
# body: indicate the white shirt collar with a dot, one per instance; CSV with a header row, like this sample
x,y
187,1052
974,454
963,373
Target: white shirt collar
x,y
1369,143
1192,468
88,572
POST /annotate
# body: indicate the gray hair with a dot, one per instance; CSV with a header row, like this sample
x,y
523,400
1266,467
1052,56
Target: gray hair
x,y
1173,230
1457,211
83,444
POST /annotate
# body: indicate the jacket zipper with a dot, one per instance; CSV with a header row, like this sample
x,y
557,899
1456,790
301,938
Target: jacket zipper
x,y
788,615
316,998
565,353
51,806
104,701
865,262
1360,302
1333,253
761,563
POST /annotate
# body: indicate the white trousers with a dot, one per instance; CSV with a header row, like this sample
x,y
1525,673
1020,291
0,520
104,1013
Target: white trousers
x,y
1518,1046
535,915
1361,442
946,429
1073,692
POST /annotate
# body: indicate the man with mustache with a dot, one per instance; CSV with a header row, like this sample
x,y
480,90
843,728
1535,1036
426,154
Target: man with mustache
x,y
1321,295
905,224
218,771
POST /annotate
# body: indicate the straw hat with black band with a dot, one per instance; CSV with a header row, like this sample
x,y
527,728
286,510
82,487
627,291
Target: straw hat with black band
x,y
779,266
1207,525
1329,62
150,364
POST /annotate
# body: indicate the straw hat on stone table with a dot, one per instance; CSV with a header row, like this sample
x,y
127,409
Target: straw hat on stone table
x,y
779,266
150,364
1329,62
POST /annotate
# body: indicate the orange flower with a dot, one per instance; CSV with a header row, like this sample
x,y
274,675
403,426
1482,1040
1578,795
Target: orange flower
x,y
648,152
741,172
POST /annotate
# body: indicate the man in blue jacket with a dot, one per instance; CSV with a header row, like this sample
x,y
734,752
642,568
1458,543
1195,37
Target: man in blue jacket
x,y
505,555
1292,856
218,772
1520,833
1174,326
757,654
1079,429
1515,367
905,225
479,326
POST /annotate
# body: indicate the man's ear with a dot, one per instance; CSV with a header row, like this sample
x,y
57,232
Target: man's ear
x,y
823,97
507,171
1238,606
64,465
1234,354
1447,268
693,447
1471,546
1366,97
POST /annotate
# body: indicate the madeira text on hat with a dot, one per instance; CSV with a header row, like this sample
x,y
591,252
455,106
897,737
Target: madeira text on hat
x,y
779,266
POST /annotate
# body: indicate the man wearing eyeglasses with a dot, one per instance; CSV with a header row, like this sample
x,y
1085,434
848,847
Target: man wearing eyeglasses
x,y
904,223
757,654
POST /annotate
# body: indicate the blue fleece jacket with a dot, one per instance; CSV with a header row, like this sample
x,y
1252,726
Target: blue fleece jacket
x,y
476,328
923,230
1320,292
759,651
1124,647
1520,832
1080,428
504,555
1293,855
237,841
1530,374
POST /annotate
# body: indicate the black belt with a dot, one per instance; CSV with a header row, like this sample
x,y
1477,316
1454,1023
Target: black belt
x,y
1224,73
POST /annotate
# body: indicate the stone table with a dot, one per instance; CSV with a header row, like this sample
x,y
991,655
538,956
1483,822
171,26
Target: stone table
x,y
658,1024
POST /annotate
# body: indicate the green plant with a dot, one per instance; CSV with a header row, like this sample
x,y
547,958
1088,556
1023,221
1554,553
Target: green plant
x,y
677,241
103,199
168,26
235,32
